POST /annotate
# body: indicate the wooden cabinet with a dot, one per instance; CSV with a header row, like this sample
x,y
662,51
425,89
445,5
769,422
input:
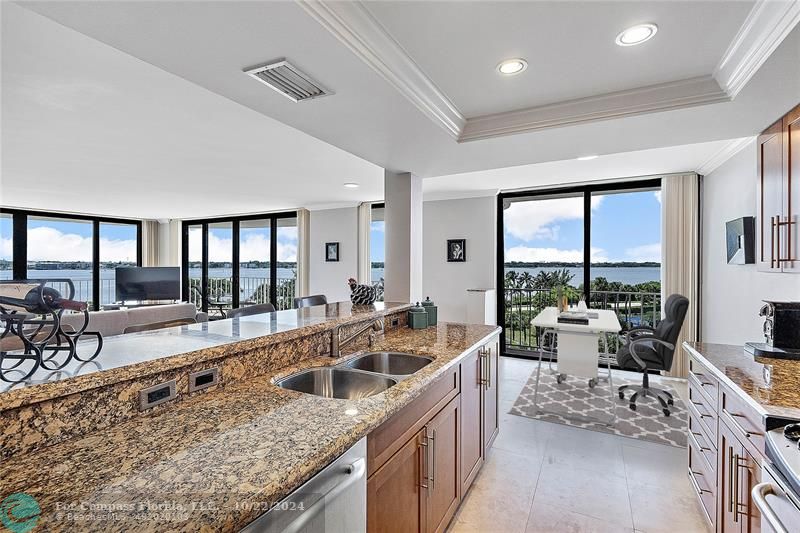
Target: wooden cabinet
x,y
739,472
444,484
472,449
491,394
778,186
396,494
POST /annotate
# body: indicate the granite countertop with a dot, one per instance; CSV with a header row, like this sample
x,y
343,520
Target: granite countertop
x,y
129,355
212,462
779,397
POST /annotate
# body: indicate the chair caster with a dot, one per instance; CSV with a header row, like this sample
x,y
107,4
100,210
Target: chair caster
x,y
670,402
666,412
592,383
632,406
621,395
560,379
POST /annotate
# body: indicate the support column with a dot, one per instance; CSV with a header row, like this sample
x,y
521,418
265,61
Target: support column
x,y
403,215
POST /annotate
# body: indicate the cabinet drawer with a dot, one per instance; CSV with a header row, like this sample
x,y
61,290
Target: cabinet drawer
x,y
744,421
704,382
703,483
705,447
390,436
704,414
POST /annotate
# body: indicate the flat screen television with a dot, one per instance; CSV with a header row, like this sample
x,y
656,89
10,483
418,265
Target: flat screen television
x,y
148,283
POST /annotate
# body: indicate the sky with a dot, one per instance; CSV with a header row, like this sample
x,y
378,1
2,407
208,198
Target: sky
x,y
625,227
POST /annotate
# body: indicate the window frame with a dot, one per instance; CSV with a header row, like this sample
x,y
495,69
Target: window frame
x,y
19,232
586,190
235,222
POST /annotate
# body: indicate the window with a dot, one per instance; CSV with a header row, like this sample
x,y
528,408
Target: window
x,y
377,247
6,246
240,261
83,249
600,243
117,249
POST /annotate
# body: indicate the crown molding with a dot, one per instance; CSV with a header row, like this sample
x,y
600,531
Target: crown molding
x,y
733,147
354,25
662,97
765,27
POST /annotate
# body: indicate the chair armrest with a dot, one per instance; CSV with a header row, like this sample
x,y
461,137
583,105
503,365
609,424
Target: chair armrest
x,y
641,340
638,332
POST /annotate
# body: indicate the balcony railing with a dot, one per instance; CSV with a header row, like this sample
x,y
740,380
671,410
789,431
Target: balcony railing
x,y
252,290
522,305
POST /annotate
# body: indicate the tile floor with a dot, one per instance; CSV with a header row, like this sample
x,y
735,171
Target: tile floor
x,y
543,477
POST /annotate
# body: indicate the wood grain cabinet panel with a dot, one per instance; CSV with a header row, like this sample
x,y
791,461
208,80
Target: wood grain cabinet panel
x,y
491,396
472,454
444,484
791,173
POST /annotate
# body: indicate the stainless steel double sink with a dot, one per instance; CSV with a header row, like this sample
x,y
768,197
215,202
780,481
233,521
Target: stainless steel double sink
x,y
361,377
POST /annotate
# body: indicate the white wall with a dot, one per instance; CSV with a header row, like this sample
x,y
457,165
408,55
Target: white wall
x,y
330,278
473,219
732,294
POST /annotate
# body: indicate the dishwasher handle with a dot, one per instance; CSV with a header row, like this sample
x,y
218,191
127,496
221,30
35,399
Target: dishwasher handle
x,y
760,493
355,471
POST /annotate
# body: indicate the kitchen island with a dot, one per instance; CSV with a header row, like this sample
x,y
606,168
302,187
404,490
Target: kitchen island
x,y
215,461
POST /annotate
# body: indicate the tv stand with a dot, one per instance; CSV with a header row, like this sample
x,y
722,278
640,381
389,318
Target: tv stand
x,y
135,304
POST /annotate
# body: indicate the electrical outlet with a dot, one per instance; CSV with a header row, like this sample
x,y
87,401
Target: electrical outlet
x,y
203,379
157,394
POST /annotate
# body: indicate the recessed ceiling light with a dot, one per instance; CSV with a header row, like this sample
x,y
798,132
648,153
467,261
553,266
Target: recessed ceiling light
x,y
636,34
351,185
587,157
512,66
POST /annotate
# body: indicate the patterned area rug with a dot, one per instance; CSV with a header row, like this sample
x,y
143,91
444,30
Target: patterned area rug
x,y
573,403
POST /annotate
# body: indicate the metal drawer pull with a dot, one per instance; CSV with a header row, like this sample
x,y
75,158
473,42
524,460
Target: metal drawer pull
x,y
701,414
730,479
424,474
760,493
736,423
695,484
735,493
696,442
432,449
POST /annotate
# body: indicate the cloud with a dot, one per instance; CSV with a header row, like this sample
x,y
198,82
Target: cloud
x,y
657,194
532,220
528,254
645,252
50,244
253,246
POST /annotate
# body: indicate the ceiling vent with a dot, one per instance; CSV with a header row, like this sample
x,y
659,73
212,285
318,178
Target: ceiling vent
x,y
288,80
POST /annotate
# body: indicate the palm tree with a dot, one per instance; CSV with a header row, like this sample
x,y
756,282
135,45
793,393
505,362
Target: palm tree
x,y
511,279
526,280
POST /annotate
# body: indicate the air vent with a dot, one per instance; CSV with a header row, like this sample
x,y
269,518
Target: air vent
x,y
289,81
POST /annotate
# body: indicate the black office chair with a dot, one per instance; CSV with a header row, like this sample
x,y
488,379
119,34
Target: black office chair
x,y
647,348
308,301
250,310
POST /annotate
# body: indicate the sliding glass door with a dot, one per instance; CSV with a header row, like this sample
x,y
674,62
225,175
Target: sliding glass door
x,y
240,261
598,243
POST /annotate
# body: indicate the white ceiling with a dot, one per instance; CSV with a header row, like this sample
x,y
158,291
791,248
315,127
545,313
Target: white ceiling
x,y
192,122
86,128
569,46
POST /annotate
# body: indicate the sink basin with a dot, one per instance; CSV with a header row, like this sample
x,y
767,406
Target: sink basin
x,y
394,363
342,383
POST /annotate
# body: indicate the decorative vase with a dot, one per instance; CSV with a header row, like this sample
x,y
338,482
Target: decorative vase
x,y
361,294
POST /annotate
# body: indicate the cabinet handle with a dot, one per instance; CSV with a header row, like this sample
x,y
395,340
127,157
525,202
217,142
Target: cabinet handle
x,y
730,479
432,449
735,493
772,227
697,442
424,473
489,367
737,425
701,414
697,488
482,380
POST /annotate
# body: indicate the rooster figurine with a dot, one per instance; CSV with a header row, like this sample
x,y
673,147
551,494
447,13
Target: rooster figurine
x,y
361,294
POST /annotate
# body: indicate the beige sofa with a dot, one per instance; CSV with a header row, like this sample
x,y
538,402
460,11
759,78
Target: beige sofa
x,y
114,322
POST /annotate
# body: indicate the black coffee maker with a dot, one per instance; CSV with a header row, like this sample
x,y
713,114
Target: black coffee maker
x,y
781,331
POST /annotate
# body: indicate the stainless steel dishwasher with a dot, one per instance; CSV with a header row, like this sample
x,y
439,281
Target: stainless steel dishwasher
x,y
333,501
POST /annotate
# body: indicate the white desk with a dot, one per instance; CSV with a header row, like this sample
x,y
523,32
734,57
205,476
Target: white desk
x,y
578,353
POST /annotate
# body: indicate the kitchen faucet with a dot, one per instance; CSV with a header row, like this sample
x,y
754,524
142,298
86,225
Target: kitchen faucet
x,y
337,341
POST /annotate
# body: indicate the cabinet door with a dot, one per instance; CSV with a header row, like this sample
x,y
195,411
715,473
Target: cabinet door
x,y
729,451
770,196
491,396
749,476
396,497
471,436
442,434
790,236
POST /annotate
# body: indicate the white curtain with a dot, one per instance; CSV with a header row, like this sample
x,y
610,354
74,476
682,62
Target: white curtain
x,y
364,224
150,243
303,226
680,209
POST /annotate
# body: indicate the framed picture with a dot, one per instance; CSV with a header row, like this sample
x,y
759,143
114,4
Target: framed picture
x,y
332,251
740,240
456,250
